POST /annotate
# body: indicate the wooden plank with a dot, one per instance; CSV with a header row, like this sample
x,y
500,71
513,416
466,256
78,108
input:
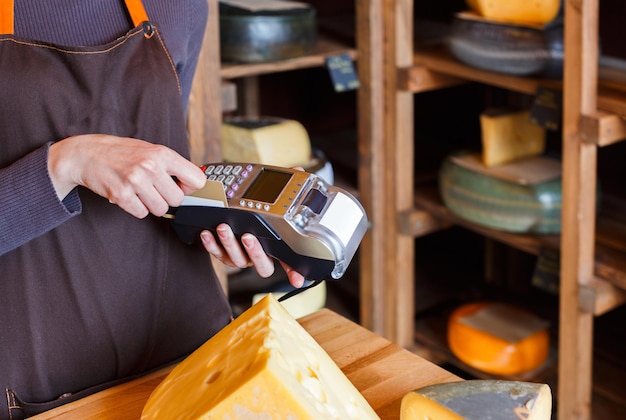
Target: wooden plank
x,y
204,114
578,214
325,47
418,222
599,297
248,96
229,96
382,371
610,248
418,79
371,166
399,139
441,61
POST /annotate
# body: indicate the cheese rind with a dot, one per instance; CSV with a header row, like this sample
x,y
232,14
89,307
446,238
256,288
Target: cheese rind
x,y
478,399
508,136
262,365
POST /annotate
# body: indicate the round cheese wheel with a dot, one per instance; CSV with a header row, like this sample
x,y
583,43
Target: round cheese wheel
x,y
479,346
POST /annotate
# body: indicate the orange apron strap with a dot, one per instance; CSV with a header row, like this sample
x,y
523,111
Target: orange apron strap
x,y
136,10
6,17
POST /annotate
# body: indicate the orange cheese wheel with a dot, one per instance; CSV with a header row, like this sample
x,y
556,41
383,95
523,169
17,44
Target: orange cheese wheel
x,y
490,353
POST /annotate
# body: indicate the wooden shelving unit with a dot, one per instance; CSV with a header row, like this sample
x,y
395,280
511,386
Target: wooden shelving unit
x,y
206,111
592,248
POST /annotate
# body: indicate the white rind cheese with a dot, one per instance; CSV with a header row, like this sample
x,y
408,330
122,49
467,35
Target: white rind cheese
x,y
264,365
479,399
278,142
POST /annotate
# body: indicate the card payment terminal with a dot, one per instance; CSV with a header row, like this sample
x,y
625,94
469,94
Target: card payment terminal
x,y
299,219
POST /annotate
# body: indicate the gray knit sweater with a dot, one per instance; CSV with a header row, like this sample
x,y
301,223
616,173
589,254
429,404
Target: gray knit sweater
x,y
29,206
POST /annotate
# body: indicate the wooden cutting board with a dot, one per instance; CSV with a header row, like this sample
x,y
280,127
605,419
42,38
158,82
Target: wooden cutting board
x,y
382,371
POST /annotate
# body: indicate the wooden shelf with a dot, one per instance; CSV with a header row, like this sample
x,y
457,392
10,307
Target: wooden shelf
x,y
435,68
610,262
431,343
326,47
440,60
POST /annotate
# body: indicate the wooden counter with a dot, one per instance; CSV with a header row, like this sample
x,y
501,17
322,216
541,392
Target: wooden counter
x,y
381,370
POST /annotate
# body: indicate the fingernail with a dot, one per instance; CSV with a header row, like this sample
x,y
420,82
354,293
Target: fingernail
x,y
247,241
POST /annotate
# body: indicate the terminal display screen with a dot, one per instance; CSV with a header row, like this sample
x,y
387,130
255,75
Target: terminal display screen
x,y
267,186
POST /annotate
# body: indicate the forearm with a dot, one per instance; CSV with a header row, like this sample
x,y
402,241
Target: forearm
x,y
30,206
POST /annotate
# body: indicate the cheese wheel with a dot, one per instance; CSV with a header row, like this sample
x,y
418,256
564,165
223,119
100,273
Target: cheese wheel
x,y
478,399
517,11
498,339
264,364
508,136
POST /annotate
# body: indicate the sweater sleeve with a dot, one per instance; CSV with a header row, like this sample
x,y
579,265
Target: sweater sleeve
x,y
30,205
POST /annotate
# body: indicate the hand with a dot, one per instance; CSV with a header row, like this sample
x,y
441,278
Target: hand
x,y
134,174
231,253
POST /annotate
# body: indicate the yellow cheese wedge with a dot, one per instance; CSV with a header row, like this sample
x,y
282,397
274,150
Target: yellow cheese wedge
x,y
517,11
508,136
264,365
479,399
270,141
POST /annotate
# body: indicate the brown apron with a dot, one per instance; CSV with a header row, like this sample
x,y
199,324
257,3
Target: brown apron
x,y
104,296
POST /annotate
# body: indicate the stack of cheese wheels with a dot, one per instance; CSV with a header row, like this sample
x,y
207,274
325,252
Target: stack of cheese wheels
x,y
263,365
498,338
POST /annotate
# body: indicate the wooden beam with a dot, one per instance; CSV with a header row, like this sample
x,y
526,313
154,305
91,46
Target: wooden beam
x,y
420,79
418,222
578,214
204,114
602,128
372,157
599,296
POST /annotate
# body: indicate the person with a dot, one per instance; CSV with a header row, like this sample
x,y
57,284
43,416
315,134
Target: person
x,y
96,286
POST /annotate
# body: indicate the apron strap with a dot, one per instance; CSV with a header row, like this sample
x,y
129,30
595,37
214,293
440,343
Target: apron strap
x,y
135,9
6,17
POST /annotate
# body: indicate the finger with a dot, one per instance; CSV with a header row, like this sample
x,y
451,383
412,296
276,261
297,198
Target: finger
x,y
232,246
169,191
189,176
263,263
131,204
296,279
213,247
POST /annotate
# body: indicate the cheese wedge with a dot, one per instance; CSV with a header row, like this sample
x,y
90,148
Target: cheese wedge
x,y
479,399
508,136
264,365
270,141
517,11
